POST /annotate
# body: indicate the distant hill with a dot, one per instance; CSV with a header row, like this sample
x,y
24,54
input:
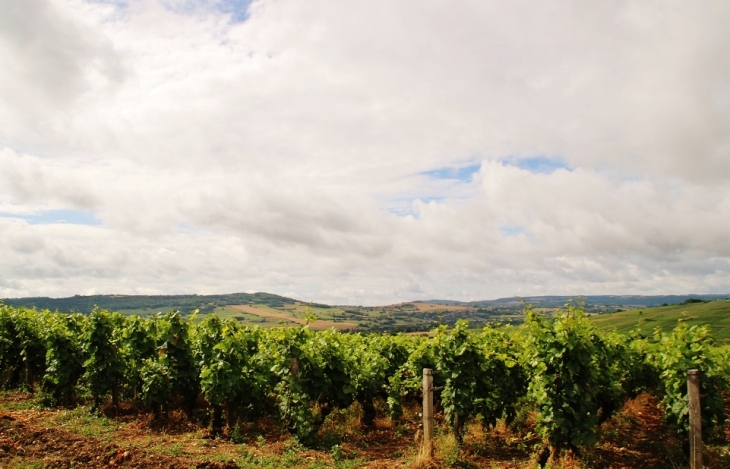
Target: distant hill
x,y
268,310
141,304
444,302
645,320
592,302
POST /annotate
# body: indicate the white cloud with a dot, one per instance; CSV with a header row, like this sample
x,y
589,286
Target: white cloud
x,y
294,152
53,60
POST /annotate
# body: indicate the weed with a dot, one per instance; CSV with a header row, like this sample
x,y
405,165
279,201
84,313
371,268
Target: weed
x,y
175,449
447,448
21,464
337,453
293,446
341,425
236,435
348,464
423,460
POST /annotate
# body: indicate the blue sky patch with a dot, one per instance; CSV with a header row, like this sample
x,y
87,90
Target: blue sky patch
x,y
540,164
405,207
459,173
427,200
70,217
511,230
121,5
237,9
402,211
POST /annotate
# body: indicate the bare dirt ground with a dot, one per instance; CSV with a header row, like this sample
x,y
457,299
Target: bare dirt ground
x,y
32,437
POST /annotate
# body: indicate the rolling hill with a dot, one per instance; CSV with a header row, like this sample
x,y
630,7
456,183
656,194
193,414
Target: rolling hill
x,y
268,310
646,320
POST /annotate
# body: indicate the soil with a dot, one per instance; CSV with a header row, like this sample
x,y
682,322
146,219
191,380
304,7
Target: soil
x,y
60,438
24,437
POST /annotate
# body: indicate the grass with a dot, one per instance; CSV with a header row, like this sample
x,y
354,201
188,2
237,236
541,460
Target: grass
x,y
227,312
20,463
16,400
175,449
634,437
289,315
81,422
646,320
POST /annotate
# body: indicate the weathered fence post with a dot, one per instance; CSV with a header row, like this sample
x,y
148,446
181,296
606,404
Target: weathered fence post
x,y
427,411
294,367
695,419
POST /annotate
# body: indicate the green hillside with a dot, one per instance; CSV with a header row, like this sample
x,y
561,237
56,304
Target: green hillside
x,y
715,313
144,305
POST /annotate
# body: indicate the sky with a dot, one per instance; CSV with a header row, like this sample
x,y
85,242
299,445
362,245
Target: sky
x,y
364,152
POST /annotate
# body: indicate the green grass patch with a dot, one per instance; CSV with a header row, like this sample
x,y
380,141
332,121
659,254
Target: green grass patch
x,y
714,313
228,312
18,462
81,422
20,402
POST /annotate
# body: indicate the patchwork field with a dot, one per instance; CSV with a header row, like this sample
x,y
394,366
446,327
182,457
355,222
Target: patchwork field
x,y
430,307
403,317
269,310
290,315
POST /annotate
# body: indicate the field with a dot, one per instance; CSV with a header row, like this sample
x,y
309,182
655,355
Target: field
x,y
422,316
404,317
714,313
287,316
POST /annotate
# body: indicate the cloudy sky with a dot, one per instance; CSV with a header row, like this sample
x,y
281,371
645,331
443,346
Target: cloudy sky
x,y
364,152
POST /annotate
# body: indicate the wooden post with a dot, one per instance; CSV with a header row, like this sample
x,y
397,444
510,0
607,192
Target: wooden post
x,y
695,419
428,411
294,367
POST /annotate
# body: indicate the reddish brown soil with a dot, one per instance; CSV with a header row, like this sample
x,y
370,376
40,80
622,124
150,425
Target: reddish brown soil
x,y
58,448
135,441
635,438
638,437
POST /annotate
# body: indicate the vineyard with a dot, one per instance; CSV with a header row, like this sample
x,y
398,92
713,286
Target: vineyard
x,y
552,381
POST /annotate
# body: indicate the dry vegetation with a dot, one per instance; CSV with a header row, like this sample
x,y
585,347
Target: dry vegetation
x,y
33,437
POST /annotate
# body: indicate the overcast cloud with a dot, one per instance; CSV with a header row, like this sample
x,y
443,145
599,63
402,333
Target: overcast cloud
x,y
364,152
